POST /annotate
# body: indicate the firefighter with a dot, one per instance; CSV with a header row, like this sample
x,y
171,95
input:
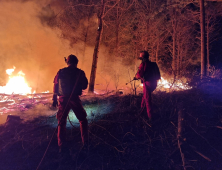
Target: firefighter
x,y
149,74
68,85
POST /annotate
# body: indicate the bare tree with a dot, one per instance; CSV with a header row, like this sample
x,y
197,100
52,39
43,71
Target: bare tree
x,y
105,8
203,39
212,24
96,49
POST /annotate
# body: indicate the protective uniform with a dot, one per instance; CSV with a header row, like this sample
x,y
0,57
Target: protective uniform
x,y
149,73
68,85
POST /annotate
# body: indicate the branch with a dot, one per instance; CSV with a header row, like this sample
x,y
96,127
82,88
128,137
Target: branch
x,y
117,1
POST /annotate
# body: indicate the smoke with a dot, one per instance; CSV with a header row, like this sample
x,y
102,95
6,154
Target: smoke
x,y
30,46
36,46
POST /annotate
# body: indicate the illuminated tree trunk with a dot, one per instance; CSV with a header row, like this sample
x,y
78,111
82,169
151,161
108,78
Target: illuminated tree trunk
x,y
203,39
117,30
178,59
174,50
157,50
208,47
174,25
96,49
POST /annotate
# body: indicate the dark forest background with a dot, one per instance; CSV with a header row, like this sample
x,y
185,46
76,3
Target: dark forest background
x,y
37,35
169,30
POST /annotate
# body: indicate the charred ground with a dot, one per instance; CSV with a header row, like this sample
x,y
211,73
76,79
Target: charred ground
x,y
123,139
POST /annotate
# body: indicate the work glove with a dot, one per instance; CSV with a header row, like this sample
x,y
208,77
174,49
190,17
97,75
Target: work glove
x,y
55,101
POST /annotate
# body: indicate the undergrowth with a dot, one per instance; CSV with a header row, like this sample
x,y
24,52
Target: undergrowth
x,y
124,139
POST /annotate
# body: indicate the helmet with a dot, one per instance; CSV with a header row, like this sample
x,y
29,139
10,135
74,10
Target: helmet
x,y
72,59
144,55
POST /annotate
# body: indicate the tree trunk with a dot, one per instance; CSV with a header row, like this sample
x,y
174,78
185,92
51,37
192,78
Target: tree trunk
x,y
174,42
157,50
178,59
151,57
174,50
96,49
208,49
203,39
117,30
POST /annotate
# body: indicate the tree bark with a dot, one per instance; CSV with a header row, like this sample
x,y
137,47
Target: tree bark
x,y
178,59
174,22
96,49
174,51
203,39
157,50
208,49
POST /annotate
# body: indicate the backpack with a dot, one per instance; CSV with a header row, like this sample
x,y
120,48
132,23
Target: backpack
x,y
152,72
67,80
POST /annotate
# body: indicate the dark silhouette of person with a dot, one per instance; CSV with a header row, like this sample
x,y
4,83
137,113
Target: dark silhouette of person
x,y
149,74
68,85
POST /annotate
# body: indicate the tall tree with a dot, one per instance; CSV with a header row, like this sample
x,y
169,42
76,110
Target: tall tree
x,y
105,8
213,11
203,39
96,49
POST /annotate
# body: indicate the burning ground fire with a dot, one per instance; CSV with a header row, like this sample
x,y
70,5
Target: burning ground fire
x,y
163,85
173,85
17,98
16,84
16,95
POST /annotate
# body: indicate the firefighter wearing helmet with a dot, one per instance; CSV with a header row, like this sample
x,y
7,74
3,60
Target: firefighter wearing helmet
x,y
149,74
68,85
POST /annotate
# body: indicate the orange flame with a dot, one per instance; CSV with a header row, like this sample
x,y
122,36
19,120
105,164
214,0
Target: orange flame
x,y
164,85
16,84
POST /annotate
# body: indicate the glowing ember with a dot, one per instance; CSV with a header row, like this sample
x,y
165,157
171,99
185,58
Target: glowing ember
x,y
16,84
174,85
163,85
46,91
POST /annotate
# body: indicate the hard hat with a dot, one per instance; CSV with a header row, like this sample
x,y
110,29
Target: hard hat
x,y
72,59
144,55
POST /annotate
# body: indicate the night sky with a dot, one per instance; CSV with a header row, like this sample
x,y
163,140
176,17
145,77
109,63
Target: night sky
x,y
216,54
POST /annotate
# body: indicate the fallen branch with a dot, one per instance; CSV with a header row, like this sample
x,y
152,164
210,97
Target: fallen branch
x,y
205,157
180,136
106,142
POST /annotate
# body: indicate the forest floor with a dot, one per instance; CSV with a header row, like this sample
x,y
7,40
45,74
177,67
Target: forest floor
x,y
123,139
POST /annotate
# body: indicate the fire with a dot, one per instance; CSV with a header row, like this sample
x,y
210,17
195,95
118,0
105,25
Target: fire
x,y
173,85
16,84
166,85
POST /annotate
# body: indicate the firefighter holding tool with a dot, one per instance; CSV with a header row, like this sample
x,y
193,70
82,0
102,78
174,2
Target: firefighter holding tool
x,y
68,85
149,74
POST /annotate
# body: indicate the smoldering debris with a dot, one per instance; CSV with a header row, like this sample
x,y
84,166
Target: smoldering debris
x,y
31,106
26,106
